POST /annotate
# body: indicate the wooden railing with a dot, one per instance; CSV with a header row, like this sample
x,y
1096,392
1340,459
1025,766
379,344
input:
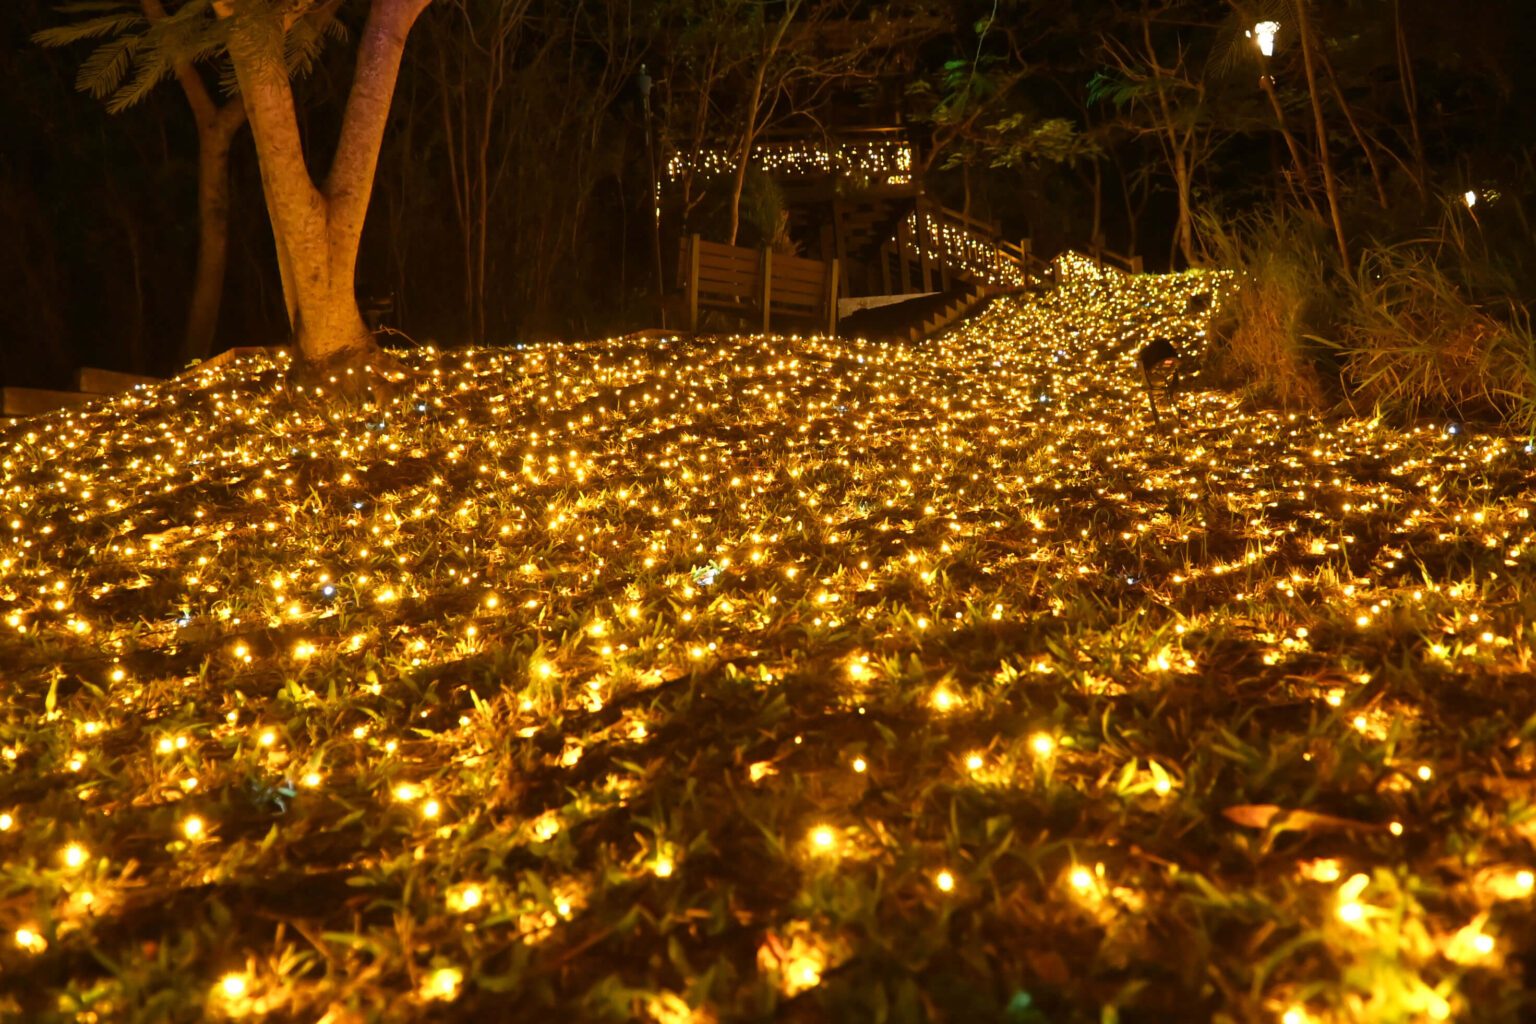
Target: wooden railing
x,y
758,282
937,241
1101,255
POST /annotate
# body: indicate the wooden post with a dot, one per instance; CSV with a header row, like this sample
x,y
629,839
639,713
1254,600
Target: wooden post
x,y
1135,264
924,244
885,269
693,284
840,218
767,284
903,245
832,299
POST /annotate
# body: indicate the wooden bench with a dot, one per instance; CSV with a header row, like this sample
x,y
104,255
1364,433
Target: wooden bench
x,y
759,281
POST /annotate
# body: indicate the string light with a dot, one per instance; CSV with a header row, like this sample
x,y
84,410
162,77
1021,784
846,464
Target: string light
x,y
920,500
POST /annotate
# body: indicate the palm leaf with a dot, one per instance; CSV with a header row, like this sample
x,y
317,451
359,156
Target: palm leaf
x,y
116,23
150,71
104,70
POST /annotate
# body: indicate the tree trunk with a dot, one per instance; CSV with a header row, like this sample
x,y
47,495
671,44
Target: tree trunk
x,y
1330,186
214,139
1354,126
216,128
1183,172
739,176
319,228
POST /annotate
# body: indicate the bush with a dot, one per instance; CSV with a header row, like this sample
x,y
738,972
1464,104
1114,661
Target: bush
x,y
1284,295
1414,344
1435,326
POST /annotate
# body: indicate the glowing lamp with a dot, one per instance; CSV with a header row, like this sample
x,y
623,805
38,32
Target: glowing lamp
x,y
1264,34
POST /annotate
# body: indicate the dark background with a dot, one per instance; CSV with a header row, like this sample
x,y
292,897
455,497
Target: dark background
x,y
98,215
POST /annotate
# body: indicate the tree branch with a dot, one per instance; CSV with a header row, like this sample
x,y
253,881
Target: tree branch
x,y
350,181
203,108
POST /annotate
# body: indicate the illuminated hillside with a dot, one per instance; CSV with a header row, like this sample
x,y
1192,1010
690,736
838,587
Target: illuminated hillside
x,y
674,679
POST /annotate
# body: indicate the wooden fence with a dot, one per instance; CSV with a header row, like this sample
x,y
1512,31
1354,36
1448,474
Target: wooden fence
x,y
759,282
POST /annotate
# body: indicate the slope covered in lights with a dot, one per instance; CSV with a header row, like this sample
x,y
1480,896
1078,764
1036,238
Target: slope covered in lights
x,y
688,679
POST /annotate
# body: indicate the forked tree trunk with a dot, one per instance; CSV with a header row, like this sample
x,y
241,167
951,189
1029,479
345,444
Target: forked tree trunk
x,y
317,228
214,138
216,129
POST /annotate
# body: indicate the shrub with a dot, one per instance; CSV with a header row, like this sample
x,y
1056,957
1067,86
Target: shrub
x,y
1284,294
1414,344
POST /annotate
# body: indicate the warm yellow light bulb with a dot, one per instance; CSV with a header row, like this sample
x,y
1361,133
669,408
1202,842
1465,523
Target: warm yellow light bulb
x,y
233,985
945,881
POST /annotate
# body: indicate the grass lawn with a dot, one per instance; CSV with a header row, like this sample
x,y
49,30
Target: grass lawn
x,y
760,678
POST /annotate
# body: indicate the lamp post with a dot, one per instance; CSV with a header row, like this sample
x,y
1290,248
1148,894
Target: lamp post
x,y
1263,34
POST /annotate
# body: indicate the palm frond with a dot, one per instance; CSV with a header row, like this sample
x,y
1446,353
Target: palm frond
x,y
115,23
149,71
103,71
301,47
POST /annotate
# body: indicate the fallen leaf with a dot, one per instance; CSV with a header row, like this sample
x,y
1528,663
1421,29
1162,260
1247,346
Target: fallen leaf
x,y
1266,815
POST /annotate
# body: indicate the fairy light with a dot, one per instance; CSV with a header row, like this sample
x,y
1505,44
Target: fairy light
x,y
945,881
75,855
233,985
1350,910
442,983
916,466
466,898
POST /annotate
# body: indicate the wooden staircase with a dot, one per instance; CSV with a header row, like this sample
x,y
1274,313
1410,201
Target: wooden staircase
x,y
952,313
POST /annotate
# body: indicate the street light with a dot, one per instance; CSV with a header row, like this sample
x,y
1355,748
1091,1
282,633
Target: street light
x,y
1264,34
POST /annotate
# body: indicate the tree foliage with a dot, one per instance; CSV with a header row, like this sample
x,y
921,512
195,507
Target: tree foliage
x,y
137,53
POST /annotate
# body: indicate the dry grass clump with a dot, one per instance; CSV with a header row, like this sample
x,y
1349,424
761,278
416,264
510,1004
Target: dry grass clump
x,y
1275,307
1412,342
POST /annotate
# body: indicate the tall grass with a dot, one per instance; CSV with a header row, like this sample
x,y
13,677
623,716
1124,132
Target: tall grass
x,y
1284,295
1433,326
1412,342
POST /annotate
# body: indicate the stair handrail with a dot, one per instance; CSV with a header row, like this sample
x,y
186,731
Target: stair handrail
x,y
1129,264
968,245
